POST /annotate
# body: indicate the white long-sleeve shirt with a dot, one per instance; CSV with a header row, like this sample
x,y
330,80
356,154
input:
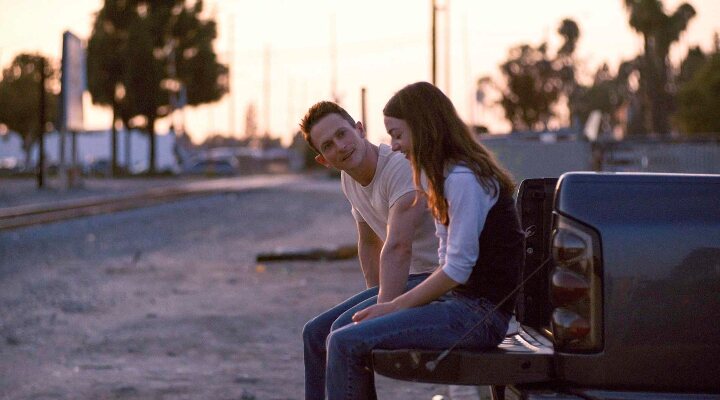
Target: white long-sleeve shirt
x,y
468,206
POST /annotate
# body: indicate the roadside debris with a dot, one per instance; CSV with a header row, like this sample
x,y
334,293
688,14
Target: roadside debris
x,y
309,254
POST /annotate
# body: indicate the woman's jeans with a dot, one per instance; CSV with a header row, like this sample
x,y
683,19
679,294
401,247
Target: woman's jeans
x,y
453,320
316,331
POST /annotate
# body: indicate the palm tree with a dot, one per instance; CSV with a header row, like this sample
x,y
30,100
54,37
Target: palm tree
x,y
660,31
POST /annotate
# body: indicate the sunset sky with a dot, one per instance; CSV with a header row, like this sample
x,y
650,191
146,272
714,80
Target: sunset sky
x,y
379,45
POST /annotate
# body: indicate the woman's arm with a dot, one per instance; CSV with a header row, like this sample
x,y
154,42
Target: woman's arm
x,y
468,206
430,289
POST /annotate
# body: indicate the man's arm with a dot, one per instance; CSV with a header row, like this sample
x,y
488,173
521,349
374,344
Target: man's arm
x,y
369,247
397,251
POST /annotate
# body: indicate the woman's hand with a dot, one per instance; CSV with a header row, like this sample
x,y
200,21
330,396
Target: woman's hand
x,y
430,289
374,311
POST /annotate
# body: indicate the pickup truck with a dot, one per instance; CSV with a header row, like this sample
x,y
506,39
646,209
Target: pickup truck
x,y
620,295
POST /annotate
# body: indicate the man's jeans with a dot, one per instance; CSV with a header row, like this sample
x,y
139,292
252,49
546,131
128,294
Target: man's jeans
x,y
316,331
435,326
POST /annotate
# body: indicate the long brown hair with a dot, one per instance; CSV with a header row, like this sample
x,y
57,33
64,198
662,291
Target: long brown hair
x,y
441,139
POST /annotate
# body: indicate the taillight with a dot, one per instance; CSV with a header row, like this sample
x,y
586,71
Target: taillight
x,y
575,288
569,249
570,324
568,287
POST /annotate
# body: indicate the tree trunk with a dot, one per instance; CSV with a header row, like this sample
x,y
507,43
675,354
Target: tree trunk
x,y
27,149
152,137
128,147
658,99
114,139
663,104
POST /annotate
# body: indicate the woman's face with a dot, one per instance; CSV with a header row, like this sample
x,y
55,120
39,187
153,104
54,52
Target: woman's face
x,y
400,135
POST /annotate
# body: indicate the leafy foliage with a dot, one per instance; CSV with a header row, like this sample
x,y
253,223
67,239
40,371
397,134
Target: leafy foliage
x,y
660,31
692,63
699,100
535,81
20,97
144,56
607,94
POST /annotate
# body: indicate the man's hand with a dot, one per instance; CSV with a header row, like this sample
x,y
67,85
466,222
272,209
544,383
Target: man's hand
x,y
374,311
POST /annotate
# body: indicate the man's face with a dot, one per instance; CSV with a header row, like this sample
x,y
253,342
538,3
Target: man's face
x,y
400,135
341,145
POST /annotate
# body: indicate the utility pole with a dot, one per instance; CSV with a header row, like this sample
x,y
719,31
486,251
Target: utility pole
x,y
333,60
363,107
266,111
41,127
468,77
446,10
231,75
433,43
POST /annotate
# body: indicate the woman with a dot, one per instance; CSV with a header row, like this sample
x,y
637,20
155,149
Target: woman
x,y
467,302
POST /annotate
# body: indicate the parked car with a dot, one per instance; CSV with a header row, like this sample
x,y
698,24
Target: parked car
x,y
211,167
101,167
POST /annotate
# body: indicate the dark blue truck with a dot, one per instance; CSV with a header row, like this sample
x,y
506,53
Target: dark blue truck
x,y
620,300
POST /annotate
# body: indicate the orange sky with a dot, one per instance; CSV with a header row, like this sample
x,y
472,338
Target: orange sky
x,y
379,45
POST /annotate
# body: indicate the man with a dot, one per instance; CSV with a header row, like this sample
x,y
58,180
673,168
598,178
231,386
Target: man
x,y
397,246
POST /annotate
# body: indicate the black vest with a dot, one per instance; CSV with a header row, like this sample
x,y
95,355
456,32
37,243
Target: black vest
x,y
502,252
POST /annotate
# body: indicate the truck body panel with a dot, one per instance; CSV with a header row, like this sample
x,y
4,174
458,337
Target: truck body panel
x,y
660,237
656,254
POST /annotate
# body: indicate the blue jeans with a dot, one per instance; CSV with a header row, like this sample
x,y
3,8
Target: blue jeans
x,y
316,331
435,326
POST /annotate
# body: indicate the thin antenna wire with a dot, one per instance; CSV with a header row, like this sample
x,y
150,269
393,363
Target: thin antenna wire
x,y
431,365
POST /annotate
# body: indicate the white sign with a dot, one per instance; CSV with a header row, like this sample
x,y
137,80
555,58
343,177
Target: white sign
x,y
72,83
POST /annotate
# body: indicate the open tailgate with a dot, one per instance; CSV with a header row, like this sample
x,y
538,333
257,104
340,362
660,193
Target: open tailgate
x,y
524,357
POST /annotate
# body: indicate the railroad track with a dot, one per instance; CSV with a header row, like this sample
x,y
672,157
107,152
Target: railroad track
x,y
21,216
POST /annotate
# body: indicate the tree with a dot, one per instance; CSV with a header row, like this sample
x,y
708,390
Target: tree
x,y
106,64
694,60
607,94
530,90
535,81
600,96
145,97
699,100
660,31
167,53
198,70
565,65
20,98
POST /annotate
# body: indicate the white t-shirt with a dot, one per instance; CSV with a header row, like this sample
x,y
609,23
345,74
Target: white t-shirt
x,y
372,203
468,207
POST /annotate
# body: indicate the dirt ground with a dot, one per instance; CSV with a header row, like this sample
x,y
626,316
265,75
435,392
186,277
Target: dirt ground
x,y
168,302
